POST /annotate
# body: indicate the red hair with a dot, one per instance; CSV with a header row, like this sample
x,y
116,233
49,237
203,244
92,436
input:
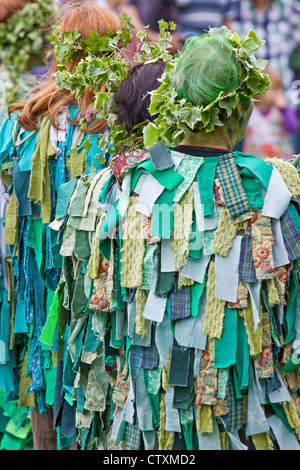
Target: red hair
x,y
46,97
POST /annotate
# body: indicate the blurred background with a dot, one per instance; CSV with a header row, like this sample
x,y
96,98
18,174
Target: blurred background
x,y
273,129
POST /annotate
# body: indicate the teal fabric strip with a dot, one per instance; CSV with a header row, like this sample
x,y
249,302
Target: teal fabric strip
x,y
258,167
291,308
20,319
226,346
196,241
252,189
169,178
163,215
48,332
154,399
197,290
237,389
243,354
110,223
128,341
115,343
26,150
6,137
105,189
205,178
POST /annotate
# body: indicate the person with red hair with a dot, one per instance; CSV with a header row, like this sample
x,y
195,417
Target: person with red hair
x,y
42,147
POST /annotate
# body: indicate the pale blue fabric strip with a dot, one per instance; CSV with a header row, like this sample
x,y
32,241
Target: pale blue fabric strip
x,y
198,207
234,439
235,442
277,196
197,359
227,274
137,340
149,438
117,426
210,441
125,195
150,192
189,331
112,196
155,306
285,438
143,408
164,339
281,394
280,255
167,257
134,363
195,269
256,420
139,185
172,414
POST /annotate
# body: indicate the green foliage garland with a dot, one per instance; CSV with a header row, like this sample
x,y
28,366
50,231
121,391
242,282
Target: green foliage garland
x,y
105,67
176,115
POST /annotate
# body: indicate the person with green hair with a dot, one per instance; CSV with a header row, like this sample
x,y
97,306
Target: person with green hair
x,y
190,326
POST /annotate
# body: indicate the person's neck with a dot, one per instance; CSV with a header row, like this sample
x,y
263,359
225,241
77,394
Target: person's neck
x,y
215,140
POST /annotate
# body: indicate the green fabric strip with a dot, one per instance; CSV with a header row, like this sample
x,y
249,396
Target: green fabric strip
x,y
163,215
169,178
35,236
197,290
252,189
153,400
258,167
243,354
226,346
206,177
237,389
47,335
196,242
110,223
291,308
105,189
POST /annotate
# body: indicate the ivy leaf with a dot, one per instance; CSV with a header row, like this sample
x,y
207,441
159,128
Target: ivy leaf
x,y
189,116
87,145
151,134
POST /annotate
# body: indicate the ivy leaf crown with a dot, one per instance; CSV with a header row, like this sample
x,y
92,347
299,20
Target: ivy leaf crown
x,y
175,115
104,68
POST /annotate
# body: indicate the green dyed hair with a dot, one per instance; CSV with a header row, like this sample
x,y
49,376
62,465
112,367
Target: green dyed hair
x,y
207,66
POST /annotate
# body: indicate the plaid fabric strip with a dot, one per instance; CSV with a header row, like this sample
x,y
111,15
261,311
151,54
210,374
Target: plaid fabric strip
x,y
235,418
246,263
150,357
290,236
234,193
132,437
180,303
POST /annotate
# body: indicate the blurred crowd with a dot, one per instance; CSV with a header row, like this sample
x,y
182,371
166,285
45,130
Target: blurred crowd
x,y
274,126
